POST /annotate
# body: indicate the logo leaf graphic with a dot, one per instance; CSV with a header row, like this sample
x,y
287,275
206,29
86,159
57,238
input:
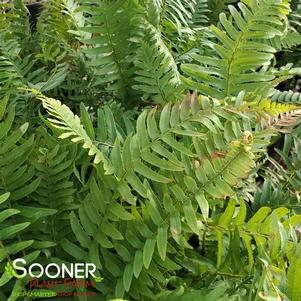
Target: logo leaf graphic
x,y
98,279
10,272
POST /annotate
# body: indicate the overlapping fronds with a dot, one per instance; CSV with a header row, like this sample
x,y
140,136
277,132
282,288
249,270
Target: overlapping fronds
x,y
61,117
286,96
156,75
290,40
19,70
266,227
106,162
54,165
14,150
219,6
200,14
63,19
15,22
112,26
176,14
282,181
9,233
18,181
189,159
240,50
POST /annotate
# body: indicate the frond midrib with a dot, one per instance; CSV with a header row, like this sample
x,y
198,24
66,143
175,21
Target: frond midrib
x,y
238,42
157,139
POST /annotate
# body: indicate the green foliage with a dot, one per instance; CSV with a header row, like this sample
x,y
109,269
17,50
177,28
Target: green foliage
x,y
156,75
293,289
112,26
199,17
18,216
160,161
159,140
240,48
14,150
63,118
286,96
219,6
54,163
290,40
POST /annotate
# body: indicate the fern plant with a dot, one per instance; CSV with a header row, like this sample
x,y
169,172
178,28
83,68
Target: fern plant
x,y
158,140
145,168
240,49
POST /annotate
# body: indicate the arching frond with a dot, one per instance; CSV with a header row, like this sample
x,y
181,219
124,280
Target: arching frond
x,y
157,73
219,6
290,40
61,117
182,154
62,22
263,225
232,70
176,13
200,14
286,96
112,26
15,23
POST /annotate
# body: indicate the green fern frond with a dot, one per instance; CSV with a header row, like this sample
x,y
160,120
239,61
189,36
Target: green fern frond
x,y
49,82
7,232
62,22
176,13
170,198
159,186
290,40
178,33
232,71
54,165
293,287
282,180
59,31
265,227
18,70
157,145
176,16
157,73
219,6
17,181
14,152
110,47
286,96
200,14
272,108
61,117
110,125
15,22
